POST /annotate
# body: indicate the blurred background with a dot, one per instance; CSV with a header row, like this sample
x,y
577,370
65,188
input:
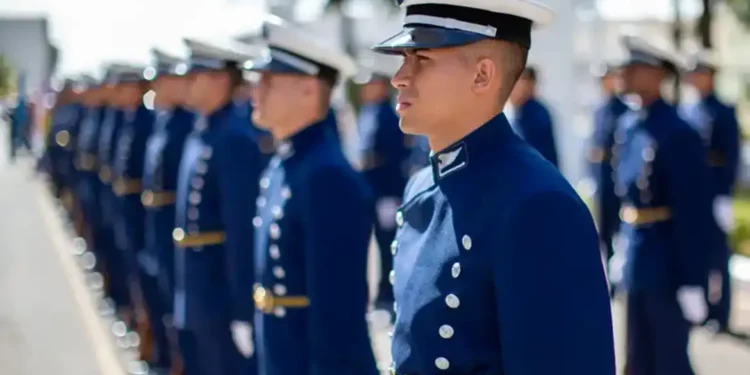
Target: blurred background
x,y
43,41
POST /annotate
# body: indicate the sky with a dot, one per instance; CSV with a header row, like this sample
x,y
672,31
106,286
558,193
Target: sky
x,y
89,32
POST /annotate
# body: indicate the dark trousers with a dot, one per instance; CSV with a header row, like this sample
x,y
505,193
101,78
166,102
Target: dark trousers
x,y
720,307
118,281
218,354
384,238
657,335
154,299
189,352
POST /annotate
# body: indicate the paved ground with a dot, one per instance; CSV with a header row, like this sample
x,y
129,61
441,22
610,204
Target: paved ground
x,y
50,321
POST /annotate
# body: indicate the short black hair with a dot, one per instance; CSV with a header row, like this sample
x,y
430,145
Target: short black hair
x,y
530,73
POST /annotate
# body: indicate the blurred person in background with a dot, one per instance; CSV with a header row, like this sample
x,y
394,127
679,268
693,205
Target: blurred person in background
x,y
314,217
716,122
126,170
172,124
217,187
606,117
532,121
383,158
662,179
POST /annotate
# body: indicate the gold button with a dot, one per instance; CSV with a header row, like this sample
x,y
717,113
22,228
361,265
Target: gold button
x,y
178,234
391,276
277,213
399,219
394,247
265,183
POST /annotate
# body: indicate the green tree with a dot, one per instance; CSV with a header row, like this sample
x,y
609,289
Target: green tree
x,y
742,9
6,77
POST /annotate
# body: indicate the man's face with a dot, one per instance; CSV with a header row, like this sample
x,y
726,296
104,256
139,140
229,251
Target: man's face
x,y
701,80
170,90
129,94
434,86
637,78
208,89
273,97
611,83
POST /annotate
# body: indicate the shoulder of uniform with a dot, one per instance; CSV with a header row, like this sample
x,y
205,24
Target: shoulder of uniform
x,y
418,182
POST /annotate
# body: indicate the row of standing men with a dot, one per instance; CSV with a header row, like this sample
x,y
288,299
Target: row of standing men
x,y
168,179
135,169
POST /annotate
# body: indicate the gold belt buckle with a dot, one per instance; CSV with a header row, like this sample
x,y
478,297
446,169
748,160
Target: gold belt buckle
x,y
264,300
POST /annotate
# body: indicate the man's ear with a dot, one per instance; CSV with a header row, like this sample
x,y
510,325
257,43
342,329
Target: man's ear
x,y
485,73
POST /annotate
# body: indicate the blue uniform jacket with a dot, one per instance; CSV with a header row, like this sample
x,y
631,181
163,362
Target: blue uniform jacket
x,y
600,159
315,215
108,138
61,141
533,123
216,191
127,173
88,187
163,154
663,181
497,267
717,124
383,152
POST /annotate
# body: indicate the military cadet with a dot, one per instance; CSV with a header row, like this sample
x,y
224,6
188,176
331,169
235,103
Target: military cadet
x,y
662,180
717,124
108,135
315,216
127,147
173,123
606,116
532,120
216,190
88,187
383,158
66,116
496,255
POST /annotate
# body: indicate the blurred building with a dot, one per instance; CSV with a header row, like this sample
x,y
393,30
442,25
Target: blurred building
x,y
25,43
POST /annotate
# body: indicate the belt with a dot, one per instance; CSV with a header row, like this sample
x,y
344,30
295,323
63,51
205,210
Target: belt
x,y
716,159
105,174
643,216
86,162
266,302
151,198
183,240
127,186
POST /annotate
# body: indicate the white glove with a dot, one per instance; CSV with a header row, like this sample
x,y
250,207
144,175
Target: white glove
x,y
242,334
692,303
386,209
724,213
